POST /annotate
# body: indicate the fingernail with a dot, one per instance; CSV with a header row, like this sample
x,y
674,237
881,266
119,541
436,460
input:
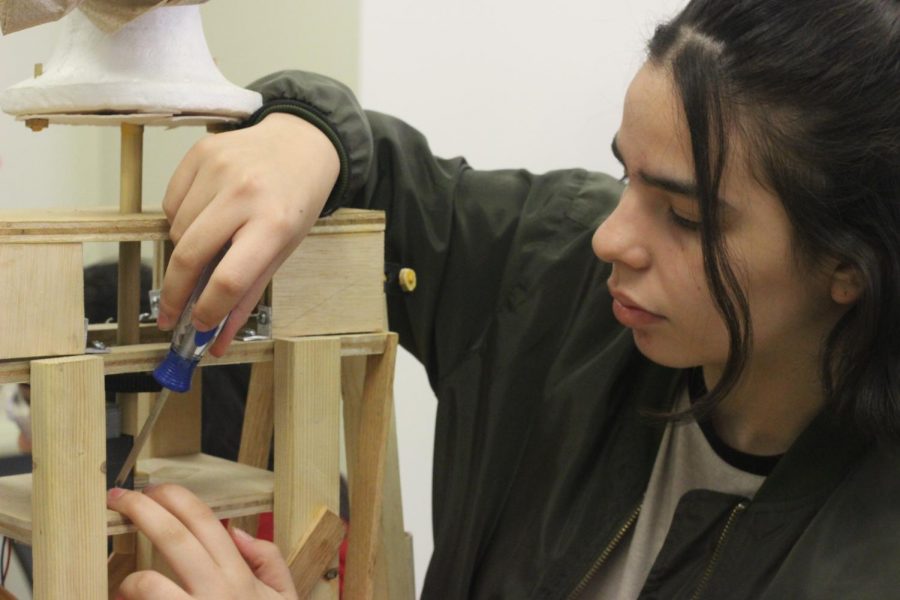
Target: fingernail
x,y
201,326
240,533
164,321
114,493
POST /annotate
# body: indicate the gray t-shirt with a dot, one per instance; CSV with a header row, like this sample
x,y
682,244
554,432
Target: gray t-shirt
x,y
685,462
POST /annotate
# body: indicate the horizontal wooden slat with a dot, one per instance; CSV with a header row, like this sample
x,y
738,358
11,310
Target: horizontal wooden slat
x,y
249,491
145,357
107,225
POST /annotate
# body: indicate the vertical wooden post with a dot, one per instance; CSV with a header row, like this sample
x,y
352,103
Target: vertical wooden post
x,y
130,183
307,441
69,484
129,294
367,499
256,434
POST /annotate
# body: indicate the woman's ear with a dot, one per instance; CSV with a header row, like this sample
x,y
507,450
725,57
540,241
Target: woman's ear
x,y
846,284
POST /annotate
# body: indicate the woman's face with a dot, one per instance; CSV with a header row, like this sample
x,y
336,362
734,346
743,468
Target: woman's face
x,y
653,244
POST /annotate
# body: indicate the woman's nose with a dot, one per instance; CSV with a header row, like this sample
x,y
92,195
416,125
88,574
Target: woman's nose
x,y
622,237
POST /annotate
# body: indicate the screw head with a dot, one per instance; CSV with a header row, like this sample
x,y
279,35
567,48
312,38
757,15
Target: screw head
x,y
407,279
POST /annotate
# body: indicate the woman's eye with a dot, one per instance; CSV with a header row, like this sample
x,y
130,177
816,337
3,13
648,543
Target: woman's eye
x,y
683,222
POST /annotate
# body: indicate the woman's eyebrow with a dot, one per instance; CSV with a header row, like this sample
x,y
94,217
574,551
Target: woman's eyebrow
x,y
687,189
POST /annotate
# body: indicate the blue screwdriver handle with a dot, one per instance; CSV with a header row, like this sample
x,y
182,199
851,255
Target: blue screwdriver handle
x,y
188,345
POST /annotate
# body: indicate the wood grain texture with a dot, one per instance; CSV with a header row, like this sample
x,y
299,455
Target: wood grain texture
x,y
395,552
307,440
331,284
374,427
105,225
311,560
249,491
118,567
69,493
177,432
257,430
145,357
42,302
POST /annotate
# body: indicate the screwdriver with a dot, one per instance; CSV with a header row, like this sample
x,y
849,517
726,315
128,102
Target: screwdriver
x,y
176,370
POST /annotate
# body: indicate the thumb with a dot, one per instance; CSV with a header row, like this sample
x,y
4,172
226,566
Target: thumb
x,y
266,562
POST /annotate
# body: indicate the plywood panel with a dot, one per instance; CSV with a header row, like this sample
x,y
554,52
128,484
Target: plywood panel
x,y
41,300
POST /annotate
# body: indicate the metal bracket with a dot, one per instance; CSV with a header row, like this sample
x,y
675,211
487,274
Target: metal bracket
x,y
264,321
95,347
154,304
263,329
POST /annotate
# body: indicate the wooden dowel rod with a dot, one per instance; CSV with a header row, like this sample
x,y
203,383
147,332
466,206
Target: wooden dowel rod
x,y
129,286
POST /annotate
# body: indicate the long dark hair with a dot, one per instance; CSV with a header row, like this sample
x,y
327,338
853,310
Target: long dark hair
x,y
813,88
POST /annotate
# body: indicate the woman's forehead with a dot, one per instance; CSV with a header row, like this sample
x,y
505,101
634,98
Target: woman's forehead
x,y
654,136
653,132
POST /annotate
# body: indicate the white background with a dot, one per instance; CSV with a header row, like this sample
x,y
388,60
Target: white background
x,y
506,83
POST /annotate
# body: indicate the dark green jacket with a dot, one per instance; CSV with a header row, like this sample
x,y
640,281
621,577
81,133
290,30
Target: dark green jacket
x,y
541,456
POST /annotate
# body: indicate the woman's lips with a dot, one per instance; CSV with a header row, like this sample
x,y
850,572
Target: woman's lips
x,y
631,314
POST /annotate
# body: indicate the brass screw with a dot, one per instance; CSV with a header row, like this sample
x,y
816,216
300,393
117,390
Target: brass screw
x,y
38,69
407,279
37,124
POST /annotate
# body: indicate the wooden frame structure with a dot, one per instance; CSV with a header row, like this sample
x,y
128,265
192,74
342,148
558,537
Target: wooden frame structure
x,y
298,382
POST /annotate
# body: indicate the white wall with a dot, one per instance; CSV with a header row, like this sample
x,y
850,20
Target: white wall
x,y
506,83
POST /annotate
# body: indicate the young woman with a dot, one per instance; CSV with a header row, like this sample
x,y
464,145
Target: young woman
x,y
710,410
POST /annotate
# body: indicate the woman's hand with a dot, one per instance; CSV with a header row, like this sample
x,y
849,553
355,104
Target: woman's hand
x,y
261,188
210,561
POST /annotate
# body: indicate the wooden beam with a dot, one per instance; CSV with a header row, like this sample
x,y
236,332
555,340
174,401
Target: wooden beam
x,y
144,358
69,482
104,225
256,434
307,441
372,449
311,560
248,491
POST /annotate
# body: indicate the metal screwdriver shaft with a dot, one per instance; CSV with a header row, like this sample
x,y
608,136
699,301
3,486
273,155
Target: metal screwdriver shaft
x,y
175,372
142,436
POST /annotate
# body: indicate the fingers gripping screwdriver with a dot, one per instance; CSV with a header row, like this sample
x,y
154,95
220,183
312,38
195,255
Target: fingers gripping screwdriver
x,y
176,370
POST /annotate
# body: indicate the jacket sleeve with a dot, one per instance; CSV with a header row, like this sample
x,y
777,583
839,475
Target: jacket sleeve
x,y
467,233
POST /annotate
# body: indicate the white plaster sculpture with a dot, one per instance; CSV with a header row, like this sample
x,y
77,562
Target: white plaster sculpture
x,y
156,63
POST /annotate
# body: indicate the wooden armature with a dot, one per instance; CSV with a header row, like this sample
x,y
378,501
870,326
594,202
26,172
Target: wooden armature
x,y
331,350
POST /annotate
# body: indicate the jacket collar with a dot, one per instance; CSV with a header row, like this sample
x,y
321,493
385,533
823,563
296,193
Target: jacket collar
x,y
816,462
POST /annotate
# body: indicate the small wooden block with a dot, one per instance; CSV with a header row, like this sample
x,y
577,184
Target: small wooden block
x,y
311,560
42,300
332,283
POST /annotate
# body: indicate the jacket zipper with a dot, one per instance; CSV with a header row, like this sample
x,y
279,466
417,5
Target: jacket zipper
x,y
704,580
604,556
